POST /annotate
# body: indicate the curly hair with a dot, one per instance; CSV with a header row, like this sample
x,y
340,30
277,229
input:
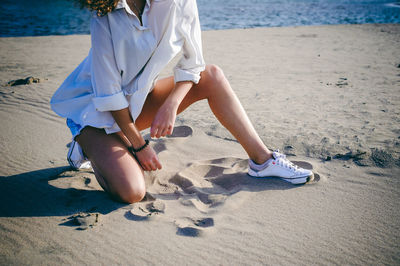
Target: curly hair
x,y
102,7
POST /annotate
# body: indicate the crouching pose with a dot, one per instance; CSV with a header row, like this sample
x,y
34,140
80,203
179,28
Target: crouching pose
x,y
115,93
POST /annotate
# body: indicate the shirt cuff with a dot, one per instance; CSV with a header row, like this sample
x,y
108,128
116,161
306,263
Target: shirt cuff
x,y
187,75
113,102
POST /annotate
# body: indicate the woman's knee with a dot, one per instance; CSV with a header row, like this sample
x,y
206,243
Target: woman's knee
x,y
124,187
214,73
131,193
212,79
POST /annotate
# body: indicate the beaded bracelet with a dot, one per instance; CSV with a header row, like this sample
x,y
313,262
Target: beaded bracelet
x,y
140,148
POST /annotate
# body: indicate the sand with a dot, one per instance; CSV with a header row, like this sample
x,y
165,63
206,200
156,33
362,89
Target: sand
x,y
328,96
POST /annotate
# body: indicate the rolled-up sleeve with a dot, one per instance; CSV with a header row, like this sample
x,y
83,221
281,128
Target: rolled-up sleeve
x,y
192,63
105,76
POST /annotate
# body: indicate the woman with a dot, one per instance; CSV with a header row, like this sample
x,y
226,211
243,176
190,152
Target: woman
x,y
114,94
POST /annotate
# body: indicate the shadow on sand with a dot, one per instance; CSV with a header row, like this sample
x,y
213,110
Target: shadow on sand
x,y
61,191
31,195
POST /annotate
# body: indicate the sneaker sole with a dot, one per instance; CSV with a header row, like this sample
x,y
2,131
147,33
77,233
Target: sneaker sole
x,y
294,181
300,180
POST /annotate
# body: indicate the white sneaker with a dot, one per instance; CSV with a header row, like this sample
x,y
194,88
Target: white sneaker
x,y
281,167
76,158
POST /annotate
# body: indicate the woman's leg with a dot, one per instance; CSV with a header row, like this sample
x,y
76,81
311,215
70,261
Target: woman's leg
x,y
214,87
114,166
116,169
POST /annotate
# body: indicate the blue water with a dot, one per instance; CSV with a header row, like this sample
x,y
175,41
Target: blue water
x,y
61,17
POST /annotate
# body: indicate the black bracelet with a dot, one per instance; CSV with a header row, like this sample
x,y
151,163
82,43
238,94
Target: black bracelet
x,y
140,148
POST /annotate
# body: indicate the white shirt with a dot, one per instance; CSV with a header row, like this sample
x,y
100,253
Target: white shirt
x,y
126,58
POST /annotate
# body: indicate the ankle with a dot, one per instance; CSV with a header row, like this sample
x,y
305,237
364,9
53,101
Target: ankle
x,y
262,158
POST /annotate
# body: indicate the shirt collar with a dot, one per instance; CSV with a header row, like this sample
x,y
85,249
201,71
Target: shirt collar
x,y
124,4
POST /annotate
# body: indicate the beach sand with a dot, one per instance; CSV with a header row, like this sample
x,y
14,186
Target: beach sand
x,y
328,96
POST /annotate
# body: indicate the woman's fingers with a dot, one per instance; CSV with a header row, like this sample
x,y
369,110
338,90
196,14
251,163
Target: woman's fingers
x,y
148,159
164,132
152,167
155,163
170,129
160,131
158,164
147,166
156,131
144,166
152,164
153,130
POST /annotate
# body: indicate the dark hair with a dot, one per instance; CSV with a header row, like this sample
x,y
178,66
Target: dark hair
x,y
101,6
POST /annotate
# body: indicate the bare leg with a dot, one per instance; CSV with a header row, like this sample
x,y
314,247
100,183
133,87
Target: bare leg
x,y
116,169
223,102
114,166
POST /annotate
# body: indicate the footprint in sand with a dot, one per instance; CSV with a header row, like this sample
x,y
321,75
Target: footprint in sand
x,y
193,227
208,184
83,180
179,132
83,221
144,211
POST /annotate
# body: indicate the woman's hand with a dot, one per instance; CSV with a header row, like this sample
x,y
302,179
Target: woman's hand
x,y
148,159
163,123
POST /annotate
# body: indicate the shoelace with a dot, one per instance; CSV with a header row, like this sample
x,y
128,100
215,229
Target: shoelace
x,y
282,161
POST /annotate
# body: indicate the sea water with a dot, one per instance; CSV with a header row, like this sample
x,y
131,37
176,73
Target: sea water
x,y
61,17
